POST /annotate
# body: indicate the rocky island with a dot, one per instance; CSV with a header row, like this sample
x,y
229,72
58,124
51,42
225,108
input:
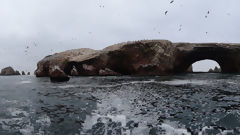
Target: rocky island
x,y
9,71
145,57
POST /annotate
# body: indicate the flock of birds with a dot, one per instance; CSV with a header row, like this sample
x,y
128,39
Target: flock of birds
x,y
102,6
180,26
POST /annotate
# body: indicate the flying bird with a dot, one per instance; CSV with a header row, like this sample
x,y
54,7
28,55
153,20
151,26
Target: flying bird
x,y
166,12
208,12
171,1
180,27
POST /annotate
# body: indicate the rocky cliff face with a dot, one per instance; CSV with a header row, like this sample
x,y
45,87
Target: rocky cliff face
x,y
153,57
9,71
60,60
146,57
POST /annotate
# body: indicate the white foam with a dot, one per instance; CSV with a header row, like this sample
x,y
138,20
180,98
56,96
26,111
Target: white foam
x,y
182,82
67,86
225,132
170,130
5,101
28,130
16,112
91,120
232,82
9,121
44,120
25,82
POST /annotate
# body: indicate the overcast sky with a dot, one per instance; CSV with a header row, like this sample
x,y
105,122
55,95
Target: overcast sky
x,y
32,29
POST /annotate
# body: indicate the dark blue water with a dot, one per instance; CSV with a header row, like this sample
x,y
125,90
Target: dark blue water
x,y
200,104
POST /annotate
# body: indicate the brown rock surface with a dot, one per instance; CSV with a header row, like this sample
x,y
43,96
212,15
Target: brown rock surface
x,y
74,71
130,58
106,71
9,71
146,57
57,75
59,59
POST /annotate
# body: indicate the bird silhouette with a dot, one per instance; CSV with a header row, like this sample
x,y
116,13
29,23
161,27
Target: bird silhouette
x,y
180,27
171,1
166,12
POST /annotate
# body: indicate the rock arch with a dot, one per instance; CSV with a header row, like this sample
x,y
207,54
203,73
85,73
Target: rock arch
x,y
145,57
227,56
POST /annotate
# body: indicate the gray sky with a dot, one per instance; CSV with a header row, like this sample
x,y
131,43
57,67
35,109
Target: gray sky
x,y
49,26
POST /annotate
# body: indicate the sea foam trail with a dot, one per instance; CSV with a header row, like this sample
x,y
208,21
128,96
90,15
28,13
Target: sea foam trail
x,y
25,82
182,82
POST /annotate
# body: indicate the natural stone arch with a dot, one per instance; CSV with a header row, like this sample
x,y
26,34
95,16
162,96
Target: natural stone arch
x,y
227,58
145,57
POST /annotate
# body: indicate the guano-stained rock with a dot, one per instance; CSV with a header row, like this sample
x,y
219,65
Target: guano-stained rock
x,y
57,75
146,57
74,71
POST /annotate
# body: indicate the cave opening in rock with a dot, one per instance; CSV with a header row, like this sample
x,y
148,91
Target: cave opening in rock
x,y
206,66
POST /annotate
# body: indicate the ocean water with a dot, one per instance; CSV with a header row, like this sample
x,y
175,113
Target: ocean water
x,y
188,104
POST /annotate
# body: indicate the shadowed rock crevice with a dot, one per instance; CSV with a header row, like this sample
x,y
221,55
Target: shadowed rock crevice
x,y
146,57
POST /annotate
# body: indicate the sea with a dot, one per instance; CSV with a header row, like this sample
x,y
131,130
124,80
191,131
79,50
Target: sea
x,y
184,104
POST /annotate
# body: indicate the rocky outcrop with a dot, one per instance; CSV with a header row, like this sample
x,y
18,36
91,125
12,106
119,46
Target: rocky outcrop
x,y
23,73
107,71
74,71
61,60
9,71
190,69
57,75
154,57
17,72
146,57
215,70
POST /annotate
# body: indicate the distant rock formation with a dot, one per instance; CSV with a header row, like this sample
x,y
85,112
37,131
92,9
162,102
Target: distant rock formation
x,y
146,57
9,71
61,60
17,72
215,70
210,70
23,73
